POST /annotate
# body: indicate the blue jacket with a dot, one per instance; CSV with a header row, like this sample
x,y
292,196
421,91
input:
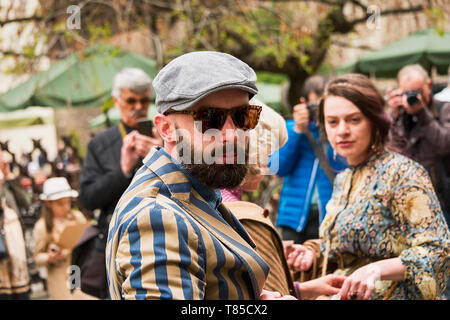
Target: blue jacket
x,y
297,163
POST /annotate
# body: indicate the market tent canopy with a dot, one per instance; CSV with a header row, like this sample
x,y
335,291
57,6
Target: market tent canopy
x,y
425,47
26,117
84,79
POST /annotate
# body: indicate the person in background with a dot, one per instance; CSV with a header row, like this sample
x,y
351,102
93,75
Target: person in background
x,y
113,157
444,95
384,227
306,186
14,277
419,131
269,135
57,213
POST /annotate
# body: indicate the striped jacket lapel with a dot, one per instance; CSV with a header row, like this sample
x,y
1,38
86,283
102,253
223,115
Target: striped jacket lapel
x,y
231,234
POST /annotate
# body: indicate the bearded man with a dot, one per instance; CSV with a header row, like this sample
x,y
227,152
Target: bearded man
x,y
170,236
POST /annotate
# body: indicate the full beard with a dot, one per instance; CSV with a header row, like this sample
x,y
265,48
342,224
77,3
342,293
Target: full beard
x,y
215,175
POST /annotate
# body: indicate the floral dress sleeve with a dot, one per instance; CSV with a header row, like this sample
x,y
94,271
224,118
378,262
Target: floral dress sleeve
x,y
417,211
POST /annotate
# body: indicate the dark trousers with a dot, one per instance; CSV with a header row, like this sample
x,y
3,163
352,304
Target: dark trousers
x,y
311,230
15,296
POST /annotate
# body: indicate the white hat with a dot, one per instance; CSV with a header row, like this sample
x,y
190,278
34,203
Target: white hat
x,y
57,188
269,135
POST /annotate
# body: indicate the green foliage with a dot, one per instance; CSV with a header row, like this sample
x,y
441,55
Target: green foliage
x,y
271,77
107,105
100,32
75,141
437,17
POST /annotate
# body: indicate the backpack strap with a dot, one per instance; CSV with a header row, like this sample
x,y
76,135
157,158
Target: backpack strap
x,y
320,156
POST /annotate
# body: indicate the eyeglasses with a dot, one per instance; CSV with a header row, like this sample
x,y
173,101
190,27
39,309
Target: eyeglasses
x,y
244,117
133,101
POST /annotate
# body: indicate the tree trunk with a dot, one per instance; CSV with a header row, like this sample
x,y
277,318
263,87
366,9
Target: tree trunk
x,y
295,90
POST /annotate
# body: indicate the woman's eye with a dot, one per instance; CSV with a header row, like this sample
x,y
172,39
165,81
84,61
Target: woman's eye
x,y
332,122
355,120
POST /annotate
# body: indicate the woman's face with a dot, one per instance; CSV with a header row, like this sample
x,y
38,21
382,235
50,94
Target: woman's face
x,y
59,208
348,130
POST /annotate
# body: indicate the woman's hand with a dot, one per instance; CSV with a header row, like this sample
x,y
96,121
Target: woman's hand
x,y
274,295
300,257
55,254
327,285
361,283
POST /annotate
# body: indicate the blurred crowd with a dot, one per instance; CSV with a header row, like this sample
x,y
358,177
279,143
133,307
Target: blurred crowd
x,y
363,210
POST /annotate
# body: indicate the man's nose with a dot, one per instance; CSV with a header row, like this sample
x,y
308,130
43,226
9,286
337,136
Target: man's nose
x,y
138,105
229,130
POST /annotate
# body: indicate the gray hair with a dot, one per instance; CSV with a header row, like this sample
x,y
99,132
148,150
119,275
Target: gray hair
x,y
133,79
406,71
314,84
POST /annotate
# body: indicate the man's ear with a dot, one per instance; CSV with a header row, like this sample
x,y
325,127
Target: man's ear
x,y
166,128
116,101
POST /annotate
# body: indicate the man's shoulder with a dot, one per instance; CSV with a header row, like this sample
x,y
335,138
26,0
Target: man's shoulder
x,y
105,138
147,212
445,108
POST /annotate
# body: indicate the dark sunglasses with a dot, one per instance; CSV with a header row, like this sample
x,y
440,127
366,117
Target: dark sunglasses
x,y
244,117
145,100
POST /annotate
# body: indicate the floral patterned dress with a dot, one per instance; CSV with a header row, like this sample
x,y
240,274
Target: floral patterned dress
x,y
387,208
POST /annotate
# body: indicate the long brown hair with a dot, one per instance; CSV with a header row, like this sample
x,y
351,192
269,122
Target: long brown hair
x,y
47,216
358,89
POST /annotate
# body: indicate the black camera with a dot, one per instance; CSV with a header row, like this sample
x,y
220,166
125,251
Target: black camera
x,y
411,97
312,108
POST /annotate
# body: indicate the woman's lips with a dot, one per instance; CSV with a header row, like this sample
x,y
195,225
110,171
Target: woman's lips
x,y
345,144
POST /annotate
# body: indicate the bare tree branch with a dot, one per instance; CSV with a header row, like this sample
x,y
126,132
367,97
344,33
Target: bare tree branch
x,y
359,4
22,19
387,13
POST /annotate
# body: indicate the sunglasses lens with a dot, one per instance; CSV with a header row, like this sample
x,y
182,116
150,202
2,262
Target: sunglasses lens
x,y
134,101
245,118
240,118
253,116
211,118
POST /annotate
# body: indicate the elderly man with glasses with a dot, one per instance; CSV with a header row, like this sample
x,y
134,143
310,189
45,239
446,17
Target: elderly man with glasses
x,y
114,155
170,236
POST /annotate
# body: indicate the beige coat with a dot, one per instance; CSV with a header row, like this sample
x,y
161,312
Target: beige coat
x,y
14,278
58,273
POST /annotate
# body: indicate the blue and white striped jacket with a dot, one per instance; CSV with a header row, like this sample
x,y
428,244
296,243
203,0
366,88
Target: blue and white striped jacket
x,y
166,242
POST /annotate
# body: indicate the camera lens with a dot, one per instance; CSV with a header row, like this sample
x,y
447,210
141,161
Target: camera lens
x,y
412,100
411,97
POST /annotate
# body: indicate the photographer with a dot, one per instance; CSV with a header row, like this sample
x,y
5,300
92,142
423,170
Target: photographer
x,y
419,130
308,167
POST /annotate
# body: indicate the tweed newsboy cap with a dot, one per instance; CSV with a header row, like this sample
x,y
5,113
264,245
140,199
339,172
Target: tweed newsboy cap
x,y
192,76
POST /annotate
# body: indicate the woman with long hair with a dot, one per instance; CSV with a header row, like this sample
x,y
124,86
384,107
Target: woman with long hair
x,y
384,227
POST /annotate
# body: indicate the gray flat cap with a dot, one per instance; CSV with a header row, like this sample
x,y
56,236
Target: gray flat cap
x,y
192,76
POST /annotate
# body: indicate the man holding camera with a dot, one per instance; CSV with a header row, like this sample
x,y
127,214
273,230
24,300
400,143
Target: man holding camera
x,y
113,156
308,167
419,130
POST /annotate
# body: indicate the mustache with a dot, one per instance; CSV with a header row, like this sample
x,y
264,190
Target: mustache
x,y
138,113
